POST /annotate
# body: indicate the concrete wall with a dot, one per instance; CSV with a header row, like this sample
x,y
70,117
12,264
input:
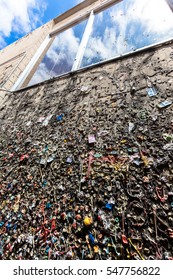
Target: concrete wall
x,y
134,169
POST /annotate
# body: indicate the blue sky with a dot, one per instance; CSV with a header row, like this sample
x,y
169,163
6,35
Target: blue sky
x,y
18,17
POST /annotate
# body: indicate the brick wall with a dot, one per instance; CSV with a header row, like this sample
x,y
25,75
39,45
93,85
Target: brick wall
x,y
15,57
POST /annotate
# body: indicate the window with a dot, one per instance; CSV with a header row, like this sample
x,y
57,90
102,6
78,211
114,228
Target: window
x,y
124,27
127,26
61,55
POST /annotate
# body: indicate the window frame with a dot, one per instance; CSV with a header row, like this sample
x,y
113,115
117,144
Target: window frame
x,y
68,20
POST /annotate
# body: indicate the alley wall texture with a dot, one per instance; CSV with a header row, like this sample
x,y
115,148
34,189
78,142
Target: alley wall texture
x,y
86,163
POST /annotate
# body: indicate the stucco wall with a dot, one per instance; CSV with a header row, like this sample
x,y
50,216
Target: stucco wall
x,y
124,174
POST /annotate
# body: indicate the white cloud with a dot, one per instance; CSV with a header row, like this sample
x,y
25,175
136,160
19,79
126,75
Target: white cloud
x,y
19,16
78,1
62,51
154,17
102,47
40,75
64,46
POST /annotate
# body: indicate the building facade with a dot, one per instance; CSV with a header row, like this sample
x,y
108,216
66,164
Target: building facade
x,y
86,160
